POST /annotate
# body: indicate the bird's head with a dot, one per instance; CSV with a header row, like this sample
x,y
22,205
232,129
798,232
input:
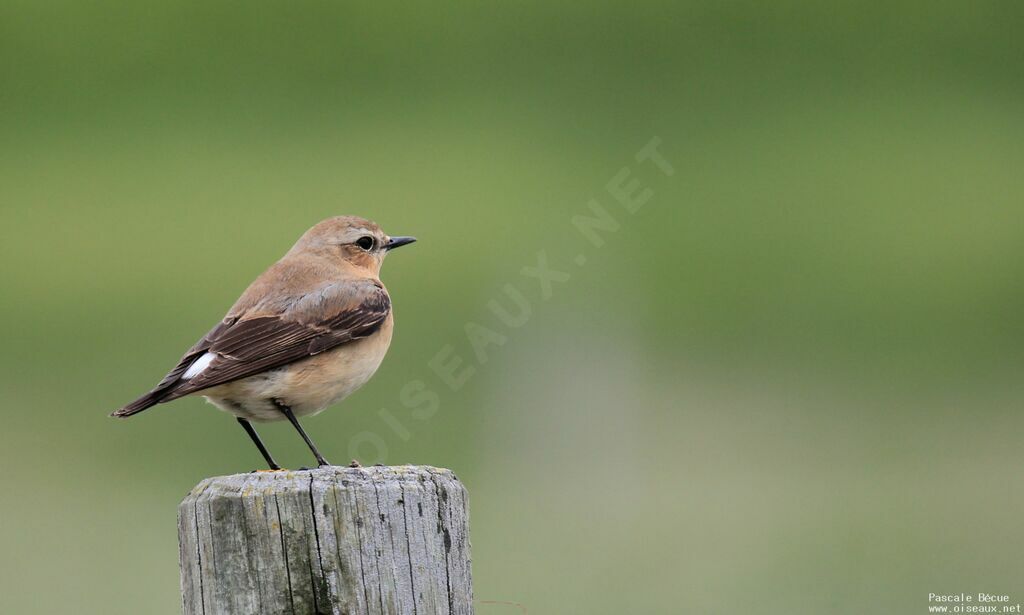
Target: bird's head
x,y
350,241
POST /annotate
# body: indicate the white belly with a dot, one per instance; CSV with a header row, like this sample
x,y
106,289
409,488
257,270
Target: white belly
x,y
307,386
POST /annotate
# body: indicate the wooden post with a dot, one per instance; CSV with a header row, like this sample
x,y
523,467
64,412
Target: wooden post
x,y
333,540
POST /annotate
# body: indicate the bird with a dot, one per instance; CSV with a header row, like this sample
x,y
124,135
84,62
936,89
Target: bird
x,y
309,331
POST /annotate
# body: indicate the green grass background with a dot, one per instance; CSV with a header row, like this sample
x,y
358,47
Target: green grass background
x,y
789,384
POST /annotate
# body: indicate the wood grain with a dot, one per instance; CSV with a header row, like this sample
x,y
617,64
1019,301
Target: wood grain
x,y
378,540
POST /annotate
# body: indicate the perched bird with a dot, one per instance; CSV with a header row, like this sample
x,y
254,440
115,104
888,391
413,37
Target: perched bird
x,y
308,332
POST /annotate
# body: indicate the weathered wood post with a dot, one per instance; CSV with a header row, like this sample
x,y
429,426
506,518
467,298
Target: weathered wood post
x,y
356,541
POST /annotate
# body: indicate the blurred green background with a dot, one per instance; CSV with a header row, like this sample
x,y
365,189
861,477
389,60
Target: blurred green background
x,y
790,383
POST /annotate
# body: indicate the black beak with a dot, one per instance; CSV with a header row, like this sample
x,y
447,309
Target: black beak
x,y
398,241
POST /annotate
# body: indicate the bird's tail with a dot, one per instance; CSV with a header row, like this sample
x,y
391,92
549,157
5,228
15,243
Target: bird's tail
x,y
146,401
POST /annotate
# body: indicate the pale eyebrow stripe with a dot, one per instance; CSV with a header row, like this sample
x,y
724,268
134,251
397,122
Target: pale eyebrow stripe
x,y
355,233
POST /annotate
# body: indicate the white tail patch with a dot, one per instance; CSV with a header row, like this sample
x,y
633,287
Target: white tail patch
x,y
200,364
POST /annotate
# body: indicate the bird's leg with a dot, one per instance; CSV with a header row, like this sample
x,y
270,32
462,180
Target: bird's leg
x,y
247,426
295,423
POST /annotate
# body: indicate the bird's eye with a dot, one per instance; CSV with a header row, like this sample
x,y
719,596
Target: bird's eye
x,y
366,242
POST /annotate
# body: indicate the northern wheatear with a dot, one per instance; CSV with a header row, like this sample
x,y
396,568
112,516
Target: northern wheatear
x,y
308,332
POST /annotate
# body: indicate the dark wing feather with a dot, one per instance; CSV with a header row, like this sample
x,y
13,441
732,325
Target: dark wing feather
x,y
195,352
245,347
174,376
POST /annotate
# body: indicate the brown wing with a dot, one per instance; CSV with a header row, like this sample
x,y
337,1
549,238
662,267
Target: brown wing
x,y
244,347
